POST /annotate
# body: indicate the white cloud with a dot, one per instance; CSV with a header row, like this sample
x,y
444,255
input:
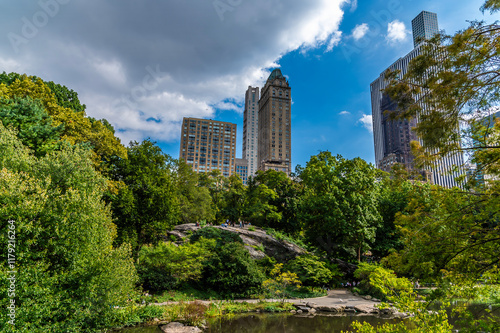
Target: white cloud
x,y
109,62
334,40
344,113
360,31
354,5
366,122
396,32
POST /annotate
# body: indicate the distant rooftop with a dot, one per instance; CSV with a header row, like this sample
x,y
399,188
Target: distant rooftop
x,y
276,74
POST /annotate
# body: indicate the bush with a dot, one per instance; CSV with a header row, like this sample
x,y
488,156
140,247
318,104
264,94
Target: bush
x,y
266,265
232,272
161,267
311,271
370,277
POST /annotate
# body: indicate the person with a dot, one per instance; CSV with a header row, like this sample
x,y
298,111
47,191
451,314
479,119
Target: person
x,y
241,224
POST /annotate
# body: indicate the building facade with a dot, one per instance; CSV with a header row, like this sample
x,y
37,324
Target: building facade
x,y
392,137
208,145
251,129
241,168
424,26
274,126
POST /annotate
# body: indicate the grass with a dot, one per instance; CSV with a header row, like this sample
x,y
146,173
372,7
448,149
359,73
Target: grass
x,y
230,308
191,313
186,294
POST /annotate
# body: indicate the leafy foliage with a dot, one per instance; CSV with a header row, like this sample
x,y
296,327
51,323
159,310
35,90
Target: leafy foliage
x,y
32,124
147,206
66,110
399,291
68,274
311,271
457,79
232,272
195,201
278,286
340,204
163,266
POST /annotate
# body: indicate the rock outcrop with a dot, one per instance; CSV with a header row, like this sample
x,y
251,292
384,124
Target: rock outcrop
x,y
254,240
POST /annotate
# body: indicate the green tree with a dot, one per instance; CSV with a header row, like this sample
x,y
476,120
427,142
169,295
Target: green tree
x,y
194,200
68,275
232,203
339,208
395,195
66,110
456,78
147,206
286,201
259,209
32,124
400,293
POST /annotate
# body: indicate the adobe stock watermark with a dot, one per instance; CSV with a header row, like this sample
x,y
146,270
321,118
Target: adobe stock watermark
x,y
378,24
149,83
11,272
31,25
223,6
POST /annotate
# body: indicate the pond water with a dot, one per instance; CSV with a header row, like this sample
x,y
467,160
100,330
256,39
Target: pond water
x,y
277,323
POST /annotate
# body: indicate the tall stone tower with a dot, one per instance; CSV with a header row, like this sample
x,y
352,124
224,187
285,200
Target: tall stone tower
x,y
275,145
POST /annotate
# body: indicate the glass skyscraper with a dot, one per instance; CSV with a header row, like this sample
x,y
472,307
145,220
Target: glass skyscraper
x,y
392,137
424,26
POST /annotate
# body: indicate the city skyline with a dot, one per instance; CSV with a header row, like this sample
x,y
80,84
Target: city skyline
x,y
160,62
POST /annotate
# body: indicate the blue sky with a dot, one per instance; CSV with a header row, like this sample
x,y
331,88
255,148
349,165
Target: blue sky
x,y
144,65
331,90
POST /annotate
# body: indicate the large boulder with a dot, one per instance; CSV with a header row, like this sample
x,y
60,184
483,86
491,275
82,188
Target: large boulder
x,y
175,327
280,249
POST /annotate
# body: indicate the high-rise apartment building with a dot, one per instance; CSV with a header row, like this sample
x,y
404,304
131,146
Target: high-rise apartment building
x,y
274,141
424,26
392,137
251,129
241,169
208,145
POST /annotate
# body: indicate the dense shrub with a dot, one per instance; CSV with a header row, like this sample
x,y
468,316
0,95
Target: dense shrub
x,y
370,276
232,272
161,267
311,271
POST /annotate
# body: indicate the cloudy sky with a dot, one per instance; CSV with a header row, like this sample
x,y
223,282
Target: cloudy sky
x,y
146,64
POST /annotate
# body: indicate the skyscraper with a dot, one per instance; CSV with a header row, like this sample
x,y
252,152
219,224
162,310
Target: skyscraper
x,y
424,26
241,169
251,129
208,145
392,137
274,142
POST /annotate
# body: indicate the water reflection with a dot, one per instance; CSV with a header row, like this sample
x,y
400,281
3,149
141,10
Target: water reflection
x,y
279,323
284,323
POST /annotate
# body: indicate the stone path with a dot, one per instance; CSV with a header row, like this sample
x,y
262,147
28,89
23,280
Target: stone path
x,y
337,300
